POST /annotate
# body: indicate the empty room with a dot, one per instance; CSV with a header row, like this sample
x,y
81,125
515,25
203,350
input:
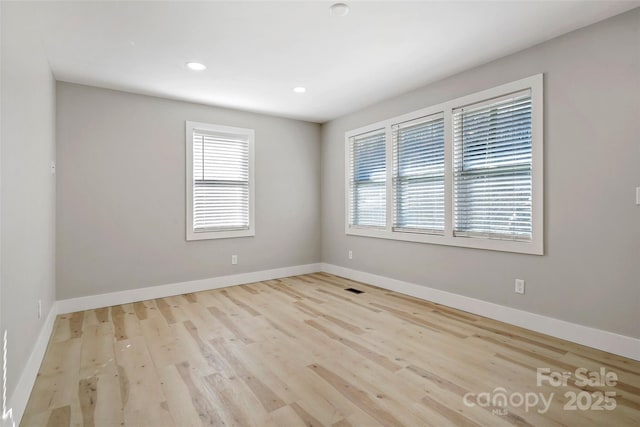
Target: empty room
x,y
320,213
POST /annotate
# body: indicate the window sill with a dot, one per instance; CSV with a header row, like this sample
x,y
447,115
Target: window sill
x,y
211,235
533,247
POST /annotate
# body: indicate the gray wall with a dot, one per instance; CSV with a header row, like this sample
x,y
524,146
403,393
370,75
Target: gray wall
x,y
27,250
121,193
590,273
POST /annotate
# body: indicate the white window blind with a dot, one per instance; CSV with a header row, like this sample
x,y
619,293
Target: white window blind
x,y
493,168
220,181
368,179
418,175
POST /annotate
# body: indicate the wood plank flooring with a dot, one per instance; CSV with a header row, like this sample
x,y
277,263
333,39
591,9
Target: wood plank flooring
x,y
302,351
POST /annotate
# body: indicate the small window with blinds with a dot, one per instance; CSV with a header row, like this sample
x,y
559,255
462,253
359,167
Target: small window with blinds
x,y
418,175
493,168
368,176
466,172
219,181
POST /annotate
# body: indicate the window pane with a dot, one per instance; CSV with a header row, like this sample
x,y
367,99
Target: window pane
x,y
220,159
368,180
221,205
492,178
419,175
220,182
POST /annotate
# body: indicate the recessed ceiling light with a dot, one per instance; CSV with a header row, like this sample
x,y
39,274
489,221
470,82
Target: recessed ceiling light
x,y
299,89
339,9
196,66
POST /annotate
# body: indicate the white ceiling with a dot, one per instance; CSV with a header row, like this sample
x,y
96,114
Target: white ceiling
x,y
256,52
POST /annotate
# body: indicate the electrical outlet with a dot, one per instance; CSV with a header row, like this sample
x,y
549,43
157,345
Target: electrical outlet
x,y
39,309
234,259
519,289
350,254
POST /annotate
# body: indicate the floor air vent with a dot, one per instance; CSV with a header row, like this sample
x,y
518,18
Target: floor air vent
x,y
354,290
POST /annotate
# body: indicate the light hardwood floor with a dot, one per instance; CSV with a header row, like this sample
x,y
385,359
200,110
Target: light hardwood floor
x,y
302,351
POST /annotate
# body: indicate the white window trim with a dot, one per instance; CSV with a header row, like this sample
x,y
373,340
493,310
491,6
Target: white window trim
x,y
250,134
535,246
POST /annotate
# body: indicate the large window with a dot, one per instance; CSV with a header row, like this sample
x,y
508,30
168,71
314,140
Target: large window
x,y
467,172
219,181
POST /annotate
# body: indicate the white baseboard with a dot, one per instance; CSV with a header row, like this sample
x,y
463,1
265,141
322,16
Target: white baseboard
x,y
596,338
20,396
124,297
